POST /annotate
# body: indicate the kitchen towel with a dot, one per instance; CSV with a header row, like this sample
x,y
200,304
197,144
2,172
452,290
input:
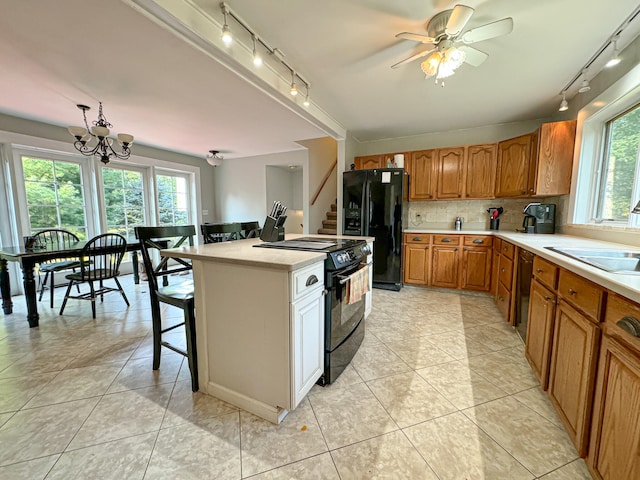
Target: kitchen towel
x,y
357,285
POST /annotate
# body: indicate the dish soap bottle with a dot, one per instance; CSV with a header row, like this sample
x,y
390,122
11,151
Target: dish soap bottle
x,y
458,223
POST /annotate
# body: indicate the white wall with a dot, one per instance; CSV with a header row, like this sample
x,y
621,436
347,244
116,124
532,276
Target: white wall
x,y
241,185
323,152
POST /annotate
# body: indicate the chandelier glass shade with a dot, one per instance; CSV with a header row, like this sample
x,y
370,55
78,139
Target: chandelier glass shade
x,y
103,148
443,63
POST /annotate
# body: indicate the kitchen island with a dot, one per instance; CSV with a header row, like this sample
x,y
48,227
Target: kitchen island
x,y
259,323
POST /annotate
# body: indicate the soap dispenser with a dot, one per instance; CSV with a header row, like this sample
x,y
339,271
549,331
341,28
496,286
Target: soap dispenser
x,y
458,223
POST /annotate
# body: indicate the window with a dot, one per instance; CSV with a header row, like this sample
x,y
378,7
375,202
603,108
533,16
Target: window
x,y
123,200
173,199
619,167
55,195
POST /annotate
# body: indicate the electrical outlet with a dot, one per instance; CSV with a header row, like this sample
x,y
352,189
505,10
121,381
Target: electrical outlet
x,y
205,213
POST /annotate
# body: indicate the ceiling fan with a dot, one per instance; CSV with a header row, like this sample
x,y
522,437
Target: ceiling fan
x,y
451,46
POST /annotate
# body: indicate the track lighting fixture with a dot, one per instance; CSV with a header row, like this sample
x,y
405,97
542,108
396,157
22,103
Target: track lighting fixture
x,y
584,86
257,59
227,38
614,60
276,56
615,57
564,105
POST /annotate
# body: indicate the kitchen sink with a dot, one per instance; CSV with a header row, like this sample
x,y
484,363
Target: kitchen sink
x,y
614,261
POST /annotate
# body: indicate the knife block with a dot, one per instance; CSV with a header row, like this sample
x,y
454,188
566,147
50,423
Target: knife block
x,y
273,229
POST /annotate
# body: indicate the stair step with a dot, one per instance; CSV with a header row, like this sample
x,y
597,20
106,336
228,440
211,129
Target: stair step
x,y
334,207
330,223
327,231
332,215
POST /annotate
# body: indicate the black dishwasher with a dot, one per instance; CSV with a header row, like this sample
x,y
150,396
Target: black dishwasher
x,y
523,286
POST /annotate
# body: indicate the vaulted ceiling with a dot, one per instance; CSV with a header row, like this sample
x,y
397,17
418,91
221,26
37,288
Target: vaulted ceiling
x,y
169,81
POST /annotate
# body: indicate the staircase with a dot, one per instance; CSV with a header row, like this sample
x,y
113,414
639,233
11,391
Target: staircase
x,y
330,225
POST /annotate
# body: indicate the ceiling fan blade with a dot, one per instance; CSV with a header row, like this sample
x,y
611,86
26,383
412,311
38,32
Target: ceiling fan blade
x,y
474,57
460,15
490,30
416,37
413,57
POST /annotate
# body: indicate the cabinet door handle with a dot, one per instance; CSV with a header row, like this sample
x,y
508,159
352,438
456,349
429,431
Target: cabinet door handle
x,y
539,270
446,240
455,249
502,270
572,291
311,280
630,325
478,240
417,239
465,249
547,298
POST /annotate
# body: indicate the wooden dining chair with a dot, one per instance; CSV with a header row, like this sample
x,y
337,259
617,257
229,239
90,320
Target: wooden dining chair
x,y
220,232
55,238
179,295
99,261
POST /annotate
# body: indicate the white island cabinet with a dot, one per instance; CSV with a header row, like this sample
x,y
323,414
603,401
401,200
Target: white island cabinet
x,y
259,324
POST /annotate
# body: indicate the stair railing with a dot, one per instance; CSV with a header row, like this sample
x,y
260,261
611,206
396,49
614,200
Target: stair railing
x,y
324,181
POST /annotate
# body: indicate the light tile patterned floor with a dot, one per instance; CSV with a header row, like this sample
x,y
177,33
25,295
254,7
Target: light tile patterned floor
x,y
439,390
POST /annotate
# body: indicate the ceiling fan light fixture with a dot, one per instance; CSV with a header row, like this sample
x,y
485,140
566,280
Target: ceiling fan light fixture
x,y
430,65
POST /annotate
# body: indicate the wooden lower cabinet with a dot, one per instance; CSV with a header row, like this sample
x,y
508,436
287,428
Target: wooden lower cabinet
x,y
503,300
444,266
542,310
476,268
614,452
416,264
572,372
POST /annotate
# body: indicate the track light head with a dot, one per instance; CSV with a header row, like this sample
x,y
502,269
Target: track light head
x,y
564,105
615,58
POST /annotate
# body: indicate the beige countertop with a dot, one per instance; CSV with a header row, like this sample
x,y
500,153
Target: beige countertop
x,y
623,284
243,252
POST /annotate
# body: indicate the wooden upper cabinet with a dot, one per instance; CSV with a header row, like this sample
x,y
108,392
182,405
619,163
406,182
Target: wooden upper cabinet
x,y
481,171
421,168
554,158
450,168
369,162
513,172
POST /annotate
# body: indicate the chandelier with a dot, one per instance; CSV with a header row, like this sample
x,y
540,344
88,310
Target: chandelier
x,y
100,132
443,62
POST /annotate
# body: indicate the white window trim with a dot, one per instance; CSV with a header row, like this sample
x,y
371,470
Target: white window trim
x,y
590,140
173,173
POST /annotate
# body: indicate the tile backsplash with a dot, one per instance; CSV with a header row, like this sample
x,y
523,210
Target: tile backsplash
x,y
442,214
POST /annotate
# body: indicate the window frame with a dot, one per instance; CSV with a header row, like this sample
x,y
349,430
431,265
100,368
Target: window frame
x,y
591,144
86,175
190,191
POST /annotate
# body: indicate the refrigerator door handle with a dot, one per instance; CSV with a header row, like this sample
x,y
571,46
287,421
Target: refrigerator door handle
x,y
366,206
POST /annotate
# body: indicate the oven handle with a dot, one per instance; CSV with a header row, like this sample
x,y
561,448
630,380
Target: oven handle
x,y
345,278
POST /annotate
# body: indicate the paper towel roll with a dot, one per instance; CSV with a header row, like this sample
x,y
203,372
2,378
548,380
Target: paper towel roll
x,y
399,160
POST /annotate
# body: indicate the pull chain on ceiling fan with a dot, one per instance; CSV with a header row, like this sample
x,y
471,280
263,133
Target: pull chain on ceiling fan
x,y
444,32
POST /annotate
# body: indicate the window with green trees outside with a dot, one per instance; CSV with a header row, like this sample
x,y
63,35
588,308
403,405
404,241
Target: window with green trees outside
x,y
173,199
124,200
55,195
618,191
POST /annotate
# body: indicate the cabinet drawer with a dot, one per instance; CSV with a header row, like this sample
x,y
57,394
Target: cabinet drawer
x,y
581,293
620,309
505,272
478,240
306,280
507,249
447,239
546,272
417,238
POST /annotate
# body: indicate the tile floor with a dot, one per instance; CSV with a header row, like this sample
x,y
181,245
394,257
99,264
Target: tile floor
x,y
439,390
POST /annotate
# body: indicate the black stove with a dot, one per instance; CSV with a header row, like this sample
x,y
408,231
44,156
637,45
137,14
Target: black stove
x,y
341,252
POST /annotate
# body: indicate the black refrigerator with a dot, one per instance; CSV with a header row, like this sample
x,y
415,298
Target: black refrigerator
x,y
372,206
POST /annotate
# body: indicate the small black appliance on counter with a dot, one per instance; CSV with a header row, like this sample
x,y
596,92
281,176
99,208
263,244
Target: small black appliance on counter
x,y
539,218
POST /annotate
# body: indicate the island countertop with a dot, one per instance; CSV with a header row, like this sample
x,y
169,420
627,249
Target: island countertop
x,y
244,252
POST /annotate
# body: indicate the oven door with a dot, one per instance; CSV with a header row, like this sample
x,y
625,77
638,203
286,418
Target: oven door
x,y
344,317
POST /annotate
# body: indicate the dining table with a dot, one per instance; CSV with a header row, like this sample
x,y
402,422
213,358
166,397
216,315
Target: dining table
x,y
29,258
